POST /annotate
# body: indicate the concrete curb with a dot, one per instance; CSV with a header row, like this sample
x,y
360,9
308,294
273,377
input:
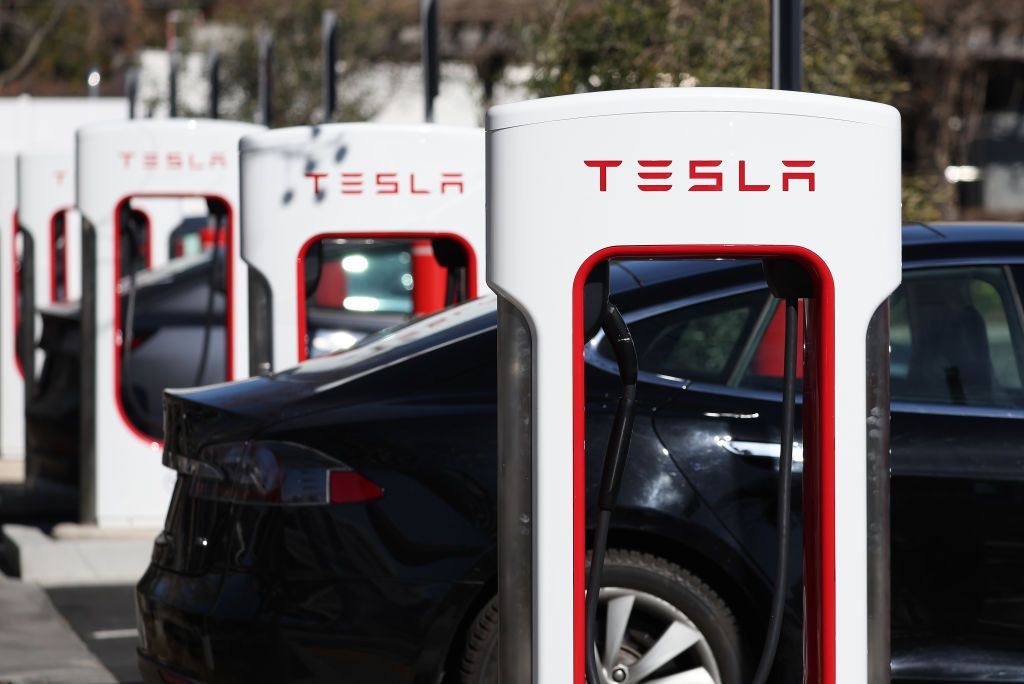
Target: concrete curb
x,y
12,470
79,557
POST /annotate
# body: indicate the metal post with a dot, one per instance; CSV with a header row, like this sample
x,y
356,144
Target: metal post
x,y
330,75
787,44
429,54
214,75
266,46
172,95
131,90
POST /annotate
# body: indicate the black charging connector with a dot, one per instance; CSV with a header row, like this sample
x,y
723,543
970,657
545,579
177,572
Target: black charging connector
x,y
600,313
617,333
451,255
790,282
218,211
130,222
788,279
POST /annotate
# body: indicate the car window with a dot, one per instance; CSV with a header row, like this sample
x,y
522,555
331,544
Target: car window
x,y
696,342
956,338
365,276
762,367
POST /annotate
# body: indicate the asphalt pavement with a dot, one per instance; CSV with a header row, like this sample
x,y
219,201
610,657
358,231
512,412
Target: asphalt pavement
x,y
104,619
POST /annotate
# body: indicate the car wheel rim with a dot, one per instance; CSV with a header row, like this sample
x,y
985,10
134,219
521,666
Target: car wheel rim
x,y
647,640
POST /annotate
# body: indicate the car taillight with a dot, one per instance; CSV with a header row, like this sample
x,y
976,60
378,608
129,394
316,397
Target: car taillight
x,y
268,472
348,486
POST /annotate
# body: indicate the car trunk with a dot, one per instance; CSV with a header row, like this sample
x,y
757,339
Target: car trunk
x,y
196,532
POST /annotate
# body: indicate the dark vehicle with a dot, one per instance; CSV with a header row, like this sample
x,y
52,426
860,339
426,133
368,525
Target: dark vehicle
x,y
362,286
336,522
169,329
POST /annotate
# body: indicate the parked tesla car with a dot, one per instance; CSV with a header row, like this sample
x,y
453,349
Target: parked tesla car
x,y
336,521
169,324
360,287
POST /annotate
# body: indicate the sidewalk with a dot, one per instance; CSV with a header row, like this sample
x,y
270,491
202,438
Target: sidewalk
x,y
37,645
12,470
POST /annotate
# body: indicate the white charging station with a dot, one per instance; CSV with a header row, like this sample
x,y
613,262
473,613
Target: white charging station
x,y
46,198
30,124
304,184
46,219
702,173
123,482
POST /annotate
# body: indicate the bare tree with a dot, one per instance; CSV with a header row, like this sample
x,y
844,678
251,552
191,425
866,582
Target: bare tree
x,y
36,35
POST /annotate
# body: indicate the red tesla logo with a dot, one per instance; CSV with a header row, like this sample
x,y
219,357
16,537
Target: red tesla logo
x,y
173,161
386,183
706,175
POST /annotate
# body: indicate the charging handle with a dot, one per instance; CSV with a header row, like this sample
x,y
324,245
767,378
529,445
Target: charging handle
x,y
451,255
129,228
787,280
791,282
600,313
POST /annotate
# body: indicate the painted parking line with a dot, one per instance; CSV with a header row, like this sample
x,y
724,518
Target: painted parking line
x,y
104,634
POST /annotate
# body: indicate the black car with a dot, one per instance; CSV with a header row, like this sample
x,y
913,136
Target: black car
x,y
173,311
169,329
336,521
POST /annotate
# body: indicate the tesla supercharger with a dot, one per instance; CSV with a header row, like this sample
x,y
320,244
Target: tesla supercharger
x,y
30,125
702,173
123,481
48,240
46,198
358,181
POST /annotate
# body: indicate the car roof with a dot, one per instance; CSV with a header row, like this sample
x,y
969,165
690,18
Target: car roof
x,y
635,273
642,283
962,231
952,240
921,241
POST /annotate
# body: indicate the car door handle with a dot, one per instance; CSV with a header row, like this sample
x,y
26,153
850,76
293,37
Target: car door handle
x,y
758,449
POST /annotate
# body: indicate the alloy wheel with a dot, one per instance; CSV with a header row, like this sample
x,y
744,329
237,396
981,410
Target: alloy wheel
x,y
647,640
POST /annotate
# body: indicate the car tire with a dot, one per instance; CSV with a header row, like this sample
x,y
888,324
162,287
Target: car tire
x,y
664,589
480,659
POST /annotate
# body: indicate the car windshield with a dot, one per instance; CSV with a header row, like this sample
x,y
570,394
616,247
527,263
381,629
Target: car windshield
x,y
469,317
166,272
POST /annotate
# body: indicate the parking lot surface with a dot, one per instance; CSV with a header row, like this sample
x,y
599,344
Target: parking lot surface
x,y
104,619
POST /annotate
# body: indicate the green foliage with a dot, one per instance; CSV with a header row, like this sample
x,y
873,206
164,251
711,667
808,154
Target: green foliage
x,y
49,46
924,195
850,49
297,56
609,45
587,45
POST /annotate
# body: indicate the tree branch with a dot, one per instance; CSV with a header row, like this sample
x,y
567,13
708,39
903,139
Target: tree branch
x,y
34,44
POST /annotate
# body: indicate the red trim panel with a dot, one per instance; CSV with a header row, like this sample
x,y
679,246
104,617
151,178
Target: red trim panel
x,y
52,252
17,288
819,449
